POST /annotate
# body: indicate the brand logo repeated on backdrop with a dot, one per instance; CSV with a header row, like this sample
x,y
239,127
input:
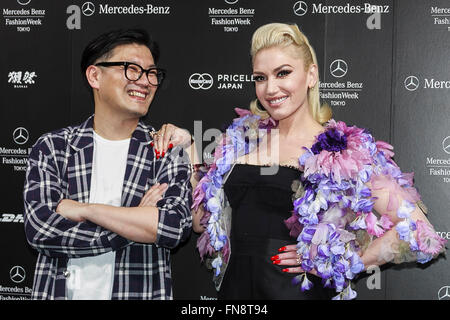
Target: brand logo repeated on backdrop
x,y
441,16
439,166
338,93
11,218
21,79
17,275
231,18
25,18
201,81
89,9
301,8
444,293
205,81
17,157
412,83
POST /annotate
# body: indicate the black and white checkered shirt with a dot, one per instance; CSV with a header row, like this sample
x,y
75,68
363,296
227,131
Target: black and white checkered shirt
x,y
60,167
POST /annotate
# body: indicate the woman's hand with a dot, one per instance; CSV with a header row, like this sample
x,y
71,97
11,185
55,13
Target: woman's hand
x,y
153,195
168,137
288,256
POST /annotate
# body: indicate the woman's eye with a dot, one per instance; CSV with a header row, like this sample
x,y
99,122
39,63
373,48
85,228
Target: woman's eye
x,y
283,73
258,78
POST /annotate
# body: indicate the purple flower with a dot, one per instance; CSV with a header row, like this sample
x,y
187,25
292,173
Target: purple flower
x,y
306,284
331,140
307,234
404,211
325,269
403,230
323,250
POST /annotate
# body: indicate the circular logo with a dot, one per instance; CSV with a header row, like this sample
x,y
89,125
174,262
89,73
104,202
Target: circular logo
x,y
23,2
21,135
412,83
444,293
17,274
446,145
300,8
231,1
201,81
88,9
338,68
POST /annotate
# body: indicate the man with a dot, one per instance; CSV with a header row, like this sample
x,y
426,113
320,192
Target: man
x,y
94,208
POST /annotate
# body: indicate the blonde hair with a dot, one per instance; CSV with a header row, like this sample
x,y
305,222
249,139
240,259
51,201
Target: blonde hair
x,y
281,34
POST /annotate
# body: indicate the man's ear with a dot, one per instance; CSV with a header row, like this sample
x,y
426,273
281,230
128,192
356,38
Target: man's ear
x,y
93,76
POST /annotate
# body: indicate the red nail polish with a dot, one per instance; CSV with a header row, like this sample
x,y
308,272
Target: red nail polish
x,y
277,262
163,153
151,144
282,249
157,156
157,152
275,258
170,146
285,270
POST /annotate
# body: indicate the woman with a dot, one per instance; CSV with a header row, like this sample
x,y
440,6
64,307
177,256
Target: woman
x,y
352,207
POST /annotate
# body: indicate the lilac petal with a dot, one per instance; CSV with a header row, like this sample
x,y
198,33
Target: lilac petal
x,y
306,284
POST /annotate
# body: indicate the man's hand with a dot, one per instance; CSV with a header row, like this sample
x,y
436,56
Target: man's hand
x,y
153,195
72,210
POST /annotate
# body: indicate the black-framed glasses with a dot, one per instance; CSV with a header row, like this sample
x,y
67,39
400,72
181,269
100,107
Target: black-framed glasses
x,y
134,72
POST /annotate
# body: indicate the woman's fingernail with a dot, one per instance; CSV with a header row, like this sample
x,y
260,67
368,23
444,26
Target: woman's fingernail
x,y
151,144
285,270
277,262
275,258
170,146
282,249
157,152
157,156
163,153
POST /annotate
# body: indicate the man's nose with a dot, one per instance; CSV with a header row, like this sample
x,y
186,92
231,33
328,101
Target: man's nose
x,y
143,81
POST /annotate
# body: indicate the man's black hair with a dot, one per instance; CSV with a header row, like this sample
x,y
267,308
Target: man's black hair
x,y
106,42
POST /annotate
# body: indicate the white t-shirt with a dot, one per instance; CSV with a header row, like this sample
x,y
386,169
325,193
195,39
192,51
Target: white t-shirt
x,y
91,278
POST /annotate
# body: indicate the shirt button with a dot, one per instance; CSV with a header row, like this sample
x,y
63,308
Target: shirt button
x,y
66,273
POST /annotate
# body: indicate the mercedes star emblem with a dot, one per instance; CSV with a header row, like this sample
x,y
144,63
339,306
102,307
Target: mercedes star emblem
x,y
300,8
88,9
338,68
444,293
17,274
411,83
23,2
446,145
21,135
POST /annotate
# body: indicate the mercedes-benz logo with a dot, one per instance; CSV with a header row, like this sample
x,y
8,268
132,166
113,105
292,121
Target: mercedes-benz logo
x,y
231,1
17,274
444,293
23,2
21,135
201,81
338,68
412,83
88,9
446,145
300,8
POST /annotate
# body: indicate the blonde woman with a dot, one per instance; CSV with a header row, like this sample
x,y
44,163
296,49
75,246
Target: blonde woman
x,y
343,198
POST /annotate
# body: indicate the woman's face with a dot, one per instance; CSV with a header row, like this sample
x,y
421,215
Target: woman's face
x,y
281,81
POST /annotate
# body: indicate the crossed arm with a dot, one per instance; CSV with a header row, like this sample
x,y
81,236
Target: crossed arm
x,y
138,224
59,227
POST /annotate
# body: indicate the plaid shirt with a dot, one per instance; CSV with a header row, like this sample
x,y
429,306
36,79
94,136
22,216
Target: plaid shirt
x,y
59,167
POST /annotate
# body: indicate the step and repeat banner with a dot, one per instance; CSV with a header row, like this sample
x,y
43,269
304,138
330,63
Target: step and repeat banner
x,y
383,66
